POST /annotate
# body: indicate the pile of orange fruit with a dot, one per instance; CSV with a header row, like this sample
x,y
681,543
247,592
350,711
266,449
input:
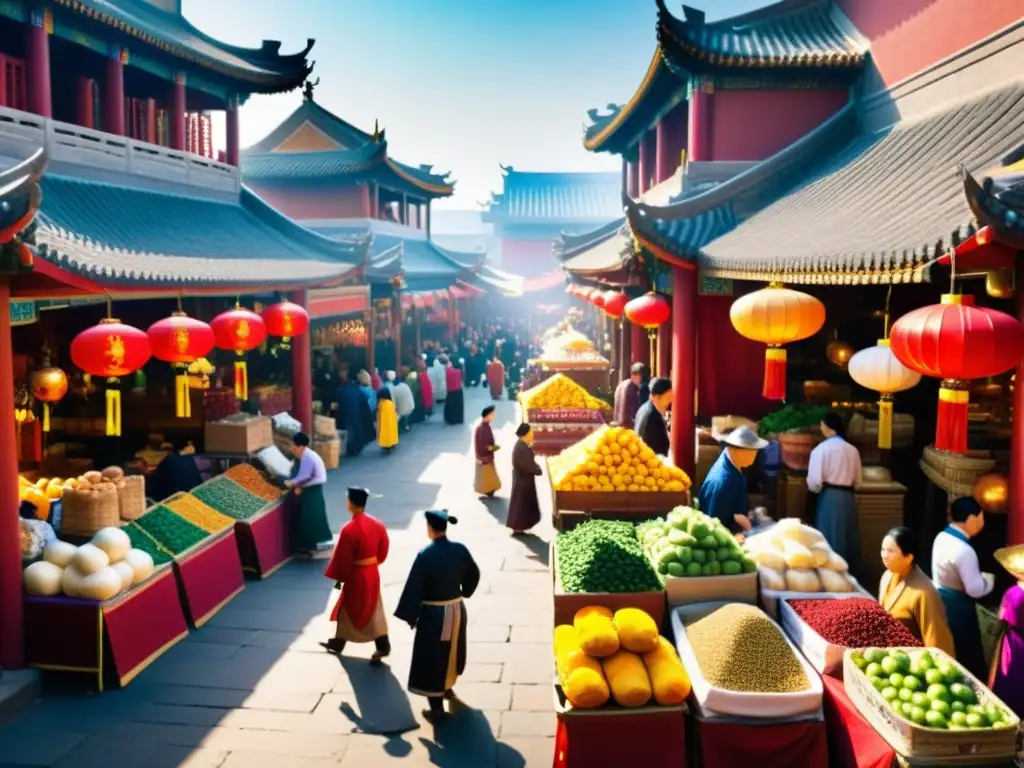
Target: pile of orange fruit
x,y
614,459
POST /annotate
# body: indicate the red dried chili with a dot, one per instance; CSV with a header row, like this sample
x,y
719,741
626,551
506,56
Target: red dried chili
x,y
853,622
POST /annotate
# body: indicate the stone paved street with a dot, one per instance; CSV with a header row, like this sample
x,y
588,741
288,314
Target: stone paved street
x,y
252,689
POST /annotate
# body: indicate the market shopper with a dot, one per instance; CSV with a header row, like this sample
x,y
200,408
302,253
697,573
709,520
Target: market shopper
x,y
523,504
496,376
438,378
486,481
723,494
312,531
366,387
909,595
405,404
651,425
1007,681
387,421
177,472
443,575
960,582
426,388
454,402
832,472
353,415
359,612
627,397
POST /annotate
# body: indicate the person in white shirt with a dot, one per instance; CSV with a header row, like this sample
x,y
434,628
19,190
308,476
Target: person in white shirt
x,y
312,531
405,403
438,380
960,582
833,471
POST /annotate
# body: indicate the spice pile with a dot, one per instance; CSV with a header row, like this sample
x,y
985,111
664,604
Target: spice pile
x,y
228,498
199,514
173,533
853,622
145,542
604,556
738,648
254,482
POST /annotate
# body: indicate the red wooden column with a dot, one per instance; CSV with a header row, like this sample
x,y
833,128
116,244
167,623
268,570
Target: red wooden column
x,y
1015,513
625,349
302,371
663,166
701,114
684,367
633,183
396,332
113,94
665,350
370,318
151,121
640,345
37,64
231,121
176,114
646,165
85,112
12,650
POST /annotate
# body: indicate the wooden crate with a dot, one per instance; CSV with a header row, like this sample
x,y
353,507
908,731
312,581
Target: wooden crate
x,y
879,509
239,437
567,603
931,746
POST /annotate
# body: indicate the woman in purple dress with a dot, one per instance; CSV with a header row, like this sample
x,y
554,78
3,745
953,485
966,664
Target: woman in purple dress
x,y
1008,667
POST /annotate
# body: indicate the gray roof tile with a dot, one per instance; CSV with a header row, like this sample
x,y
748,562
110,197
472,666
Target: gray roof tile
x,y
530,197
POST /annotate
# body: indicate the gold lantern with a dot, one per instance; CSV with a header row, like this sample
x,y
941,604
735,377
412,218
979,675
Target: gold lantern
x,y
992,492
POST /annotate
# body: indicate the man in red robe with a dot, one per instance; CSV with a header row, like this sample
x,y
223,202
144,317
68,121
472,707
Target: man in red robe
x,y
496,376
359,612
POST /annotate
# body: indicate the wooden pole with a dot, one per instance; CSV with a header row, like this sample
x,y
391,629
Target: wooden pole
x,y
302,371
1015,510
12,648
684,368
371,338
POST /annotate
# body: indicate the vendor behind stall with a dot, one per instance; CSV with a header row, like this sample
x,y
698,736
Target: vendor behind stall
x,y
960,582
312,530
832,472
723,494
176,473
651,425
909,595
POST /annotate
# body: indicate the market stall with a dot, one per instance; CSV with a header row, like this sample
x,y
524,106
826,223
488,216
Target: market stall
x,y
572,354
561,413
264,538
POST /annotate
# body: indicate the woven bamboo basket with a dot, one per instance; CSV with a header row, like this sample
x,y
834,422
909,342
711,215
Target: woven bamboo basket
x,y
954,473
132,497
86,512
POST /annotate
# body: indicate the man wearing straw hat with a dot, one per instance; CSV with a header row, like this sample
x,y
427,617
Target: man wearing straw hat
x,y
723,494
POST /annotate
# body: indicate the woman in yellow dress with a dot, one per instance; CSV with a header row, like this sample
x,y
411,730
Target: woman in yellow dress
x,y
387,420
909,595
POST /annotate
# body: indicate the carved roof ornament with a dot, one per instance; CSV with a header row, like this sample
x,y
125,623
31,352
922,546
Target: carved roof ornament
x,y
378,132
308,86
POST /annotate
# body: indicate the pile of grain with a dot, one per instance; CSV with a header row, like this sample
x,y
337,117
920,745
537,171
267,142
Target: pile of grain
x,y
740,649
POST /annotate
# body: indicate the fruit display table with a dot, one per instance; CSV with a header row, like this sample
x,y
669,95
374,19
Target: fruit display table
x,y
210,574
264,540
133,629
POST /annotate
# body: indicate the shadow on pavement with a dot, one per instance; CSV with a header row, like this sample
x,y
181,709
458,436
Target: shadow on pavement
x,y
381,704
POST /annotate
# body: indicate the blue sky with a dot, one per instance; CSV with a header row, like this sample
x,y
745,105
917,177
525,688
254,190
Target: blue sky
x,y
462,84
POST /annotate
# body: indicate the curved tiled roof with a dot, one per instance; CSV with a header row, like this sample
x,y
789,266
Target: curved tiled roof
x,y
660,89
541,197
882,206
568,244
791,33
255,70
123,235
356,152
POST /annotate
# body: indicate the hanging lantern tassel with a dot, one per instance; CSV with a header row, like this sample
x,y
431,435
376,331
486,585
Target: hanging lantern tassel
x,y
652,336
46,417
182,398
885,422
951,425
774,374
241,380
113,409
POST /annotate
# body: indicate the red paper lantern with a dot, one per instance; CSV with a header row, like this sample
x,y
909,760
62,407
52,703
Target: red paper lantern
x,y
597,299
285,320
615,303
955,341
650,311
180,340
111,350
239,330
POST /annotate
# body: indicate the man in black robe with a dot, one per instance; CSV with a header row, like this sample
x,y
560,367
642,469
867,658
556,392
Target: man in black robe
x,y
650,417
354,416
442,576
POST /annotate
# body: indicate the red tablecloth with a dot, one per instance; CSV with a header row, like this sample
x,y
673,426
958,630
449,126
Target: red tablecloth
x,y
853,743
264,541
211,575
652,738
776,745
69,635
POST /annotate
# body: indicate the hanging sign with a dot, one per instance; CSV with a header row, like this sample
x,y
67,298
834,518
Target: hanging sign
x,y
23,312
715,286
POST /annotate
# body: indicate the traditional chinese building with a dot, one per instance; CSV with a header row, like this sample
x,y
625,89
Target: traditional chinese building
x,y
861,191
104,92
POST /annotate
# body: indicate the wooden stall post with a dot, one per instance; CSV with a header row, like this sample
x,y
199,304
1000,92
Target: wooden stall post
x,y
418,322
12,647
302,371
625,350
684,366
371,337
396,332
639,344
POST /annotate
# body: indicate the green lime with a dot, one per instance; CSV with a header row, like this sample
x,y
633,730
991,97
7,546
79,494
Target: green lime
x,y
963,693
950,673
874,669
918,715
858,659
878,682
913,683
902,661
925,661
958,718
933,676
974,720
889,693
919,699
939,691
896,679
993,713
935,719
890,665
942,707
906,708
905,695
874,655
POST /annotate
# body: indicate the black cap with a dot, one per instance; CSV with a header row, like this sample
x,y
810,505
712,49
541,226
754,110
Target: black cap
x,y
660,386
487,411
358,496
442,515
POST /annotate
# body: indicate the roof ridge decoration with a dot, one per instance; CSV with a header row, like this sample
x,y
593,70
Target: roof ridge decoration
x,y
264,69
791,34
